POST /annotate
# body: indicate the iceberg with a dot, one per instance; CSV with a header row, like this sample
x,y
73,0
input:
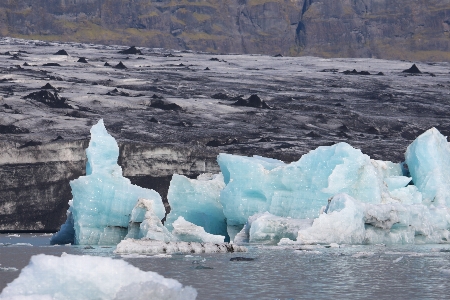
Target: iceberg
x,y
71,277
298,190
197,201
188,232
103,199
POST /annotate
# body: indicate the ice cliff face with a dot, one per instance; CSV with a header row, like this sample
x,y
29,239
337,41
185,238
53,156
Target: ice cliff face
x,y
361,28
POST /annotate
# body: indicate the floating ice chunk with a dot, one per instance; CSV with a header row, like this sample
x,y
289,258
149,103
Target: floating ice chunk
x,y
298,190
396,182
342,224
146,246
428,161
66,235
144,223
104,199
189,232
8,269
71,277
197,201
269,229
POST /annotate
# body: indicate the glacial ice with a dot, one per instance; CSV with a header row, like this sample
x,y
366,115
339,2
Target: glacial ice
x,y
299,189
104,199
197,201
188,232
71,277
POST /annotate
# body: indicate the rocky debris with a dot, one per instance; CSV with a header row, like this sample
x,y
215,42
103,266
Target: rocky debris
x,y
252,101
380,74
214,59
12,129
354,72
48,98
61,52
156,97
25,64
82,60
120,65
107,64
154,120
30,144
51,65
207,69
131,50
221,96
165,105
7,106
218,143
413,70
373,130
241,259
48,86
329,70
278,55
75,114
57,138
116,92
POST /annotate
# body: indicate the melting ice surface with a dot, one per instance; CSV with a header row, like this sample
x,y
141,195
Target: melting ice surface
x,y
71,277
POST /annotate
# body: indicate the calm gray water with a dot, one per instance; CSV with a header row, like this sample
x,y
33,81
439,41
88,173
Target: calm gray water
x,y
362,272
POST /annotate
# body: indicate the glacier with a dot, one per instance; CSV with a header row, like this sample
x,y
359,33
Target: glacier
x,y
70,277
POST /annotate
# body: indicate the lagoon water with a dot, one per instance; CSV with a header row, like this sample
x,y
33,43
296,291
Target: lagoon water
x,y
356,272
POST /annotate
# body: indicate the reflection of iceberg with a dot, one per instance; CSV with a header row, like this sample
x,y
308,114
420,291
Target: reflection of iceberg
x,y
71,277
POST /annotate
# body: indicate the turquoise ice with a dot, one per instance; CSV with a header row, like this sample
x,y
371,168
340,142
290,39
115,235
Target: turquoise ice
x,y
103,199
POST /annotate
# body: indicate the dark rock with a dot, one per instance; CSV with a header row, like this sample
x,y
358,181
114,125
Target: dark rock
x,y
265,139
413,70
51,65
48,98
13,129
343,127
61,52
184,124
241,259
48,86
218,143
354,72
214,59
116,92
153,120
330,70
58,138
372,130
181,65
163,104
131,50
7,106
313,134
278,55
82,60
120,65
30,144
200,267
252,101
221,96
380,73
207,69
156,97
75,114
107,64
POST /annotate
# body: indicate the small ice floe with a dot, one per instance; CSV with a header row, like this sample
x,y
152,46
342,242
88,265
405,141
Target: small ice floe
x,y
445,271
363,254
13,235
22,244
397,260
147,246
8,269
304,251
47,234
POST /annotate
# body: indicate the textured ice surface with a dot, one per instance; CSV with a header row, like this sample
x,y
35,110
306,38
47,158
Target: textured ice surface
x,y
197,201
146,246
66,235
428,161
72,277
104,199
188,232
298,190
144,223
269,229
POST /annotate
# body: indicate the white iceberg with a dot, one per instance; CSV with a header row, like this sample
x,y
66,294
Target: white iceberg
x,y
72,277
188,232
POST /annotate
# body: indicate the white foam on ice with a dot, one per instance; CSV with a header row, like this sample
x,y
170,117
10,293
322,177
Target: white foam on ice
x,y
72,277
